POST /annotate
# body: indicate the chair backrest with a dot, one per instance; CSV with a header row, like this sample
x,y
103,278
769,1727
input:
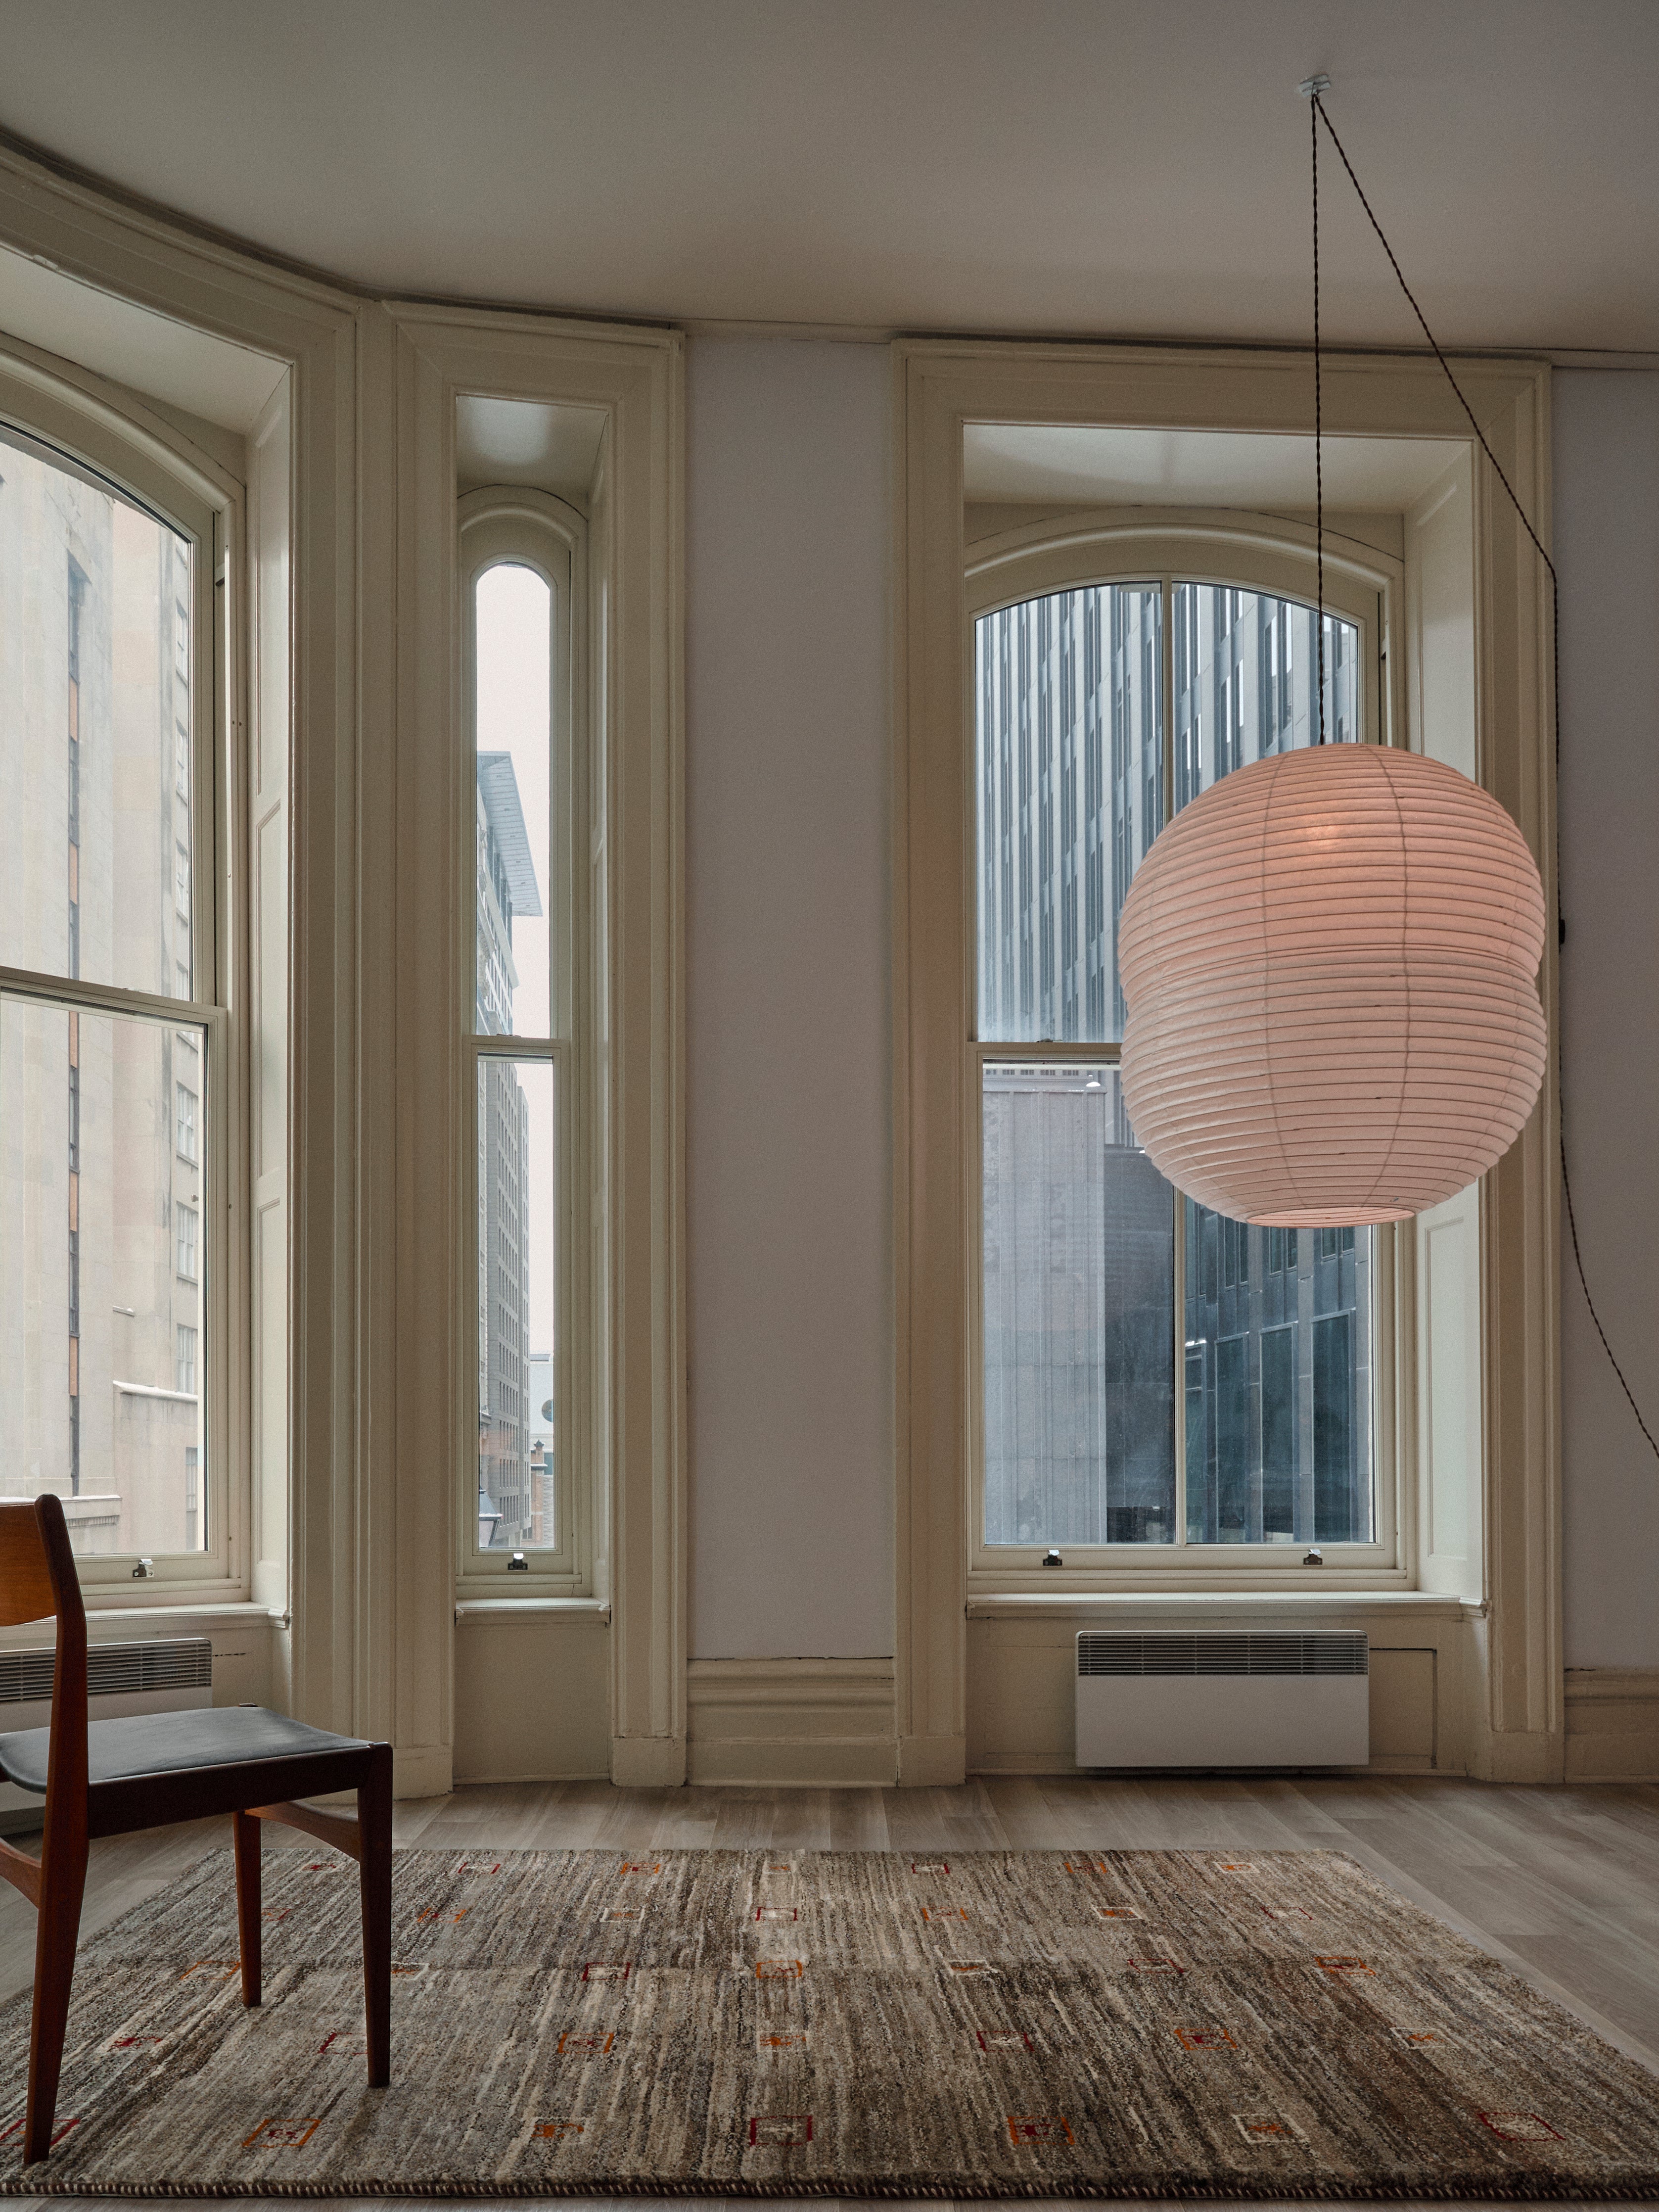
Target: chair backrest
x,y
37,1580
29,1590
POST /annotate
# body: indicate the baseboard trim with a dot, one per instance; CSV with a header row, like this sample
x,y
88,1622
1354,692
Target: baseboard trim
x,y
423,1769
1612,1723
800,1723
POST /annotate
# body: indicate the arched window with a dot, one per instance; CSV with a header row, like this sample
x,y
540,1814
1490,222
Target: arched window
x,y
1154,1382
116,1066
521,566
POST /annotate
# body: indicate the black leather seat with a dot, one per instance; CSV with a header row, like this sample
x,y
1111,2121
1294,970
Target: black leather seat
x,y
172,1743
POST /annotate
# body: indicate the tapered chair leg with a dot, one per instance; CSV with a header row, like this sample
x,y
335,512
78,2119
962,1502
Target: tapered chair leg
x,y
375,1830
246,1829
55,1939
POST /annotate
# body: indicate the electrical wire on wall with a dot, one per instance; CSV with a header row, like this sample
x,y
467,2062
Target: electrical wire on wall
x,y
1311,90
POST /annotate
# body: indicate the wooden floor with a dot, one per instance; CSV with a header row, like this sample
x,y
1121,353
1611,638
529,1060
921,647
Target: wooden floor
x,y
1562,1884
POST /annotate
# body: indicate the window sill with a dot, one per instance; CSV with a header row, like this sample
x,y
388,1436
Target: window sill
x,y
130,1623
597,1609
1199,1605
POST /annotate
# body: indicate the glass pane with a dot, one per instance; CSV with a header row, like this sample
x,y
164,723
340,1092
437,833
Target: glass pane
x,y
1246,681
1079,1316
1279,1424
517,1253
514,610
95,844
103,1226
1069,769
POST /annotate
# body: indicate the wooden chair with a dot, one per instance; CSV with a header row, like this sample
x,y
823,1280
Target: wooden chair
x,y
114,1776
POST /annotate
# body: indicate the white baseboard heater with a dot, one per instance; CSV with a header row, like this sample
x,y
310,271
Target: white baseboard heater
x,y
166,1674
1226,1697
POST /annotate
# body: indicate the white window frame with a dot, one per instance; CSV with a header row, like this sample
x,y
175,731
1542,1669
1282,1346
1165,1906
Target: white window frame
x,y
84,432
518,527
1236,552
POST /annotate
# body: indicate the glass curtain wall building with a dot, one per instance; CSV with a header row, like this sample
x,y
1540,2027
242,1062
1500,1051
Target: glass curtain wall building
x,y
1086,1250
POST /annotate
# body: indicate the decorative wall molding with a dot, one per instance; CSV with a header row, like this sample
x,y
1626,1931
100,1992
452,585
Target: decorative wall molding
x,y
1612,1723
817,1722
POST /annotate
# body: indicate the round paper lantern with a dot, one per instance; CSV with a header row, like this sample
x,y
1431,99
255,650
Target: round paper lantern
x,y
1330,960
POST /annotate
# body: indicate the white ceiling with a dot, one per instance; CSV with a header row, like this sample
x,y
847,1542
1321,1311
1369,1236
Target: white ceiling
x,y
1070,166
1064,463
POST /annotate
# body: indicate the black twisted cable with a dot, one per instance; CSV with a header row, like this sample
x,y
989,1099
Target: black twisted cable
x,y
1319,117
1319,424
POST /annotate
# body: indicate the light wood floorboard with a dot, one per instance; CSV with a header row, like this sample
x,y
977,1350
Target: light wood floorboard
x,y
1561,1884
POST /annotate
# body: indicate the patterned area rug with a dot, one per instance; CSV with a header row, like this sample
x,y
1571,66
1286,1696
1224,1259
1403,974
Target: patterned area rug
x,y
999,2024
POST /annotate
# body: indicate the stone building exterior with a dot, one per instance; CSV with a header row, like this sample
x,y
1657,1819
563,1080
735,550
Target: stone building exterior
x,y
104,1227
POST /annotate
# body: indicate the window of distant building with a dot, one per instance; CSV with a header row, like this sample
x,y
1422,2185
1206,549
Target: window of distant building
x,y
187,1221
186,1132
105,1099
529,1010
1153,1382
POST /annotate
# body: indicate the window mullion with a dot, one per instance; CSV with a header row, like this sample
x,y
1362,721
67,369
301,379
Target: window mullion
x,y
1179,1317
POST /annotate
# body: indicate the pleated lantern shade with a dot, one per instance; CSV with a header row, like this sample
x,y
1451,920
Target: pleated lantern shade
x,y
1330,959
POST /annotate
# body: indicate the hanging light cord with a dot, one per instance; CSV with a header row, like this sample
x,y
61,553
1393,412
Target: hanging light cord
x,y
1318,117
1314,112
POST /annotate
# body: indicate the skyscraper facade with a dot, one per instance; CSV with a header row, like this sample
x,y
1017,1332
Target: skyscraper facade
x,y
1085,1259
508,1515
105,1237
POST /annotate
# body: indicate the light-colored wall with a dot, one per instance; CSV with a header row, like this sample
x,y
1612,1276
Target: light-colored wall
x,y
789,1118
788,1000
1606,548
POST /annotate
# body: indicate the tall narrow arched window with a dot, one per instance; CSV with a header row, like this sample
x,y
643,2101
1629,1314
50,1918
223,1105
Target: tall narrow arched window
x,y
529,966
1155,1383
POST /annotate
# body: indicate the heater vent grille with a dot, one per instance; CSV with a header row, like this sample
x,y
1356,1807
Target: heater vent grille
x,y
181,1663
1247,1652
